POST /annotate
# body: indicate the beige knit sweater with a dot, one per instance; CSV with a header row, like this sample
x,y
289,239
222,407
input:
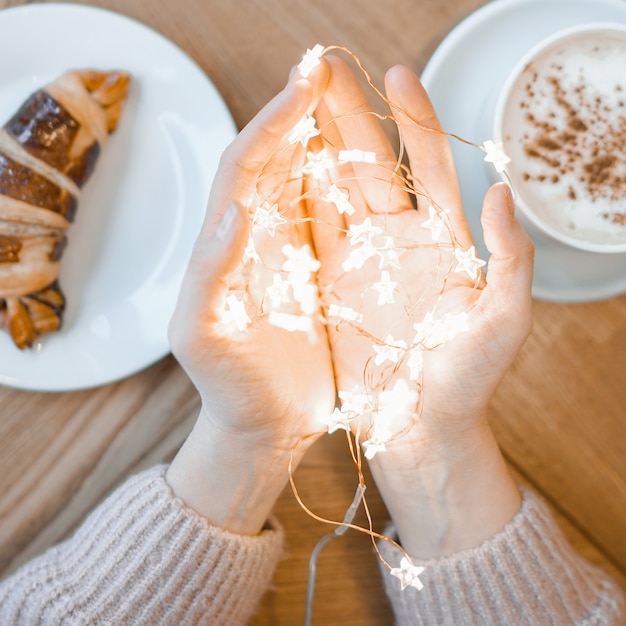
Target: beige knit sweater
x,y
143,558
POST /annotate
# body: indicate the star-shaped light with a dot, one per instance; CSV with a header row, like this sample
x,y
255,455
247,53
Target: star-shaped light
x,y
377,442
358,256
355,401
340,199
467,261
435,224
318,164
344,313
338,420
299,263
310,60
455,324
250,253
372,447
389,254
496,155
427,332
390,350
235,314
408,574
267,216
415,363
400,401
292,323
278,291
385,287
304,130
363,232
431,332
305,294
356,156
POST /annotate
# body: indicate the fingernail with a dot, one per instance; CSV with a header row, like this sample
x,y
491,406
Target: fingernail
x,y
504,196
297,78
225,227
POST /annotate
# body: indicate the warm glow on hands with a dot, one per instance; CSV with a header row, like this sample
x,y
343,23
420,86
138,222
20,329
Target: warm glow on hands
x,y
283,286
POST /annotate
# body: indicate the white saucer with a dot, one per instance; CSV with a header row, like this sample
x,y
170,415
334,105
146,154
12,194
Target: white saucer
x,y
463,78
142,208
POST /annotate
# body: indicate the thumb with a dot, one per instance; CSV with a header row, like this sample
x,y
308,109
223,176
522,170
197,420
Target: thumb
x,y
510,268
215,257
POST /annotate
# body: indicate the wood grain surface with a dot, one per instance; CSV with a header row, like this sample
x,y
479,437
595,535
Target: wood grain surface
x,y
559,414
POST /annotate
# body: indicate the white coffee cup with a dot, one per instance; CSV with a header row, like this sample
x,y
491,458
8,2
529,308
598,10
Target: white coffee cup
x,y
561,116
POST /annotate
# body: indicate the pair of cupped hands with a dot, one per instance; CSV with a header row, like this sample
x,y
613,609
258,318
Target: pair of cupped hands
x,y
265,398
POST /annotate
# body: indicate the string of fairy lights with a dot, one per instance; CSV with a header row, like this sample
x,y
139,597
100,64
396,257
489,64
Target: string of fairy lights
x,y
284,289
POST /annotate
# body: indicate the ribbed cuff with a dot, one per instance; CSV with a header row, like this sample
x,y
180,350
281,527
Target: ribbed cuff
x,y
526,575
143,557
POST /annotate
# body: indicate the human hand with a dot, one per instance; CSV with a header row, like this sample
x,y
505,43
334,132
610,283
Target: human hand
x,y
263,389
459,376
445,462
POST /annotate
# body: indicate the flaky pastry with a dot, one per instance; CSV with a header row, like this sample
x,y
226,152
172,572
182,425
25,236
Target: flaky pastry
x,y
48,150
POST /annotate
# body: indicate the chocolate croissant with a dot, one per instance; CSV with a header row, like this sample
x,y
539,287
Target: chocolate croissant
x,y
48,150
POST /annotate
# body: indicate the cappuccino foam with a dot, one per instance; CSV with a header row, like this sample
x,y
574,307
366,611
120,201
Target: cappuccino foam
x,y
564,127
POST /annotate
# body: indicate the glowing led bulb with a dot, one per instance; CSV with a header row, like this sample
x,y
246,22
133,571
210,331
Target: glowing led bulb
x,y
431,332
310,60
467,261
356,402
389,254
305,294
278,291
344,313
340,199
250,254
356,156
357,257
385,288
363,232
266,216
378,438
304,130
337,421
408,574
235,314
318,164
398,402
496,155
454,324
390,350
299,263
374,445
415,363
437,227
292,323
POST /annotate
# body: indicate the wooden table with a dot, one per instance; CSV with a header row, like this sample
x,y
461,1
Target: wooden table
x,y
559,415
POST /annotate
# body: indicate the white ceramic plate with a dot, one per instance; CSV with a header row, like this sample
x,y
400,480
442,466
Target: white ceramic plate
x,y
463,78
141,210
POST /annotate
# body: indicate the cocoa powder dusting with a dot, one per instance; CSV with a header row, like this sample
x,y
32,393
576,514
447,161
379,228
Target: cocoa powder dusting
x,y
581,136
616,218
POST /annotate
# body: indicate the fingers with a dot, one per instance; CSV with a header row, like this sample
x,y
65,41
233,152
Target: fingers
x,y
348,123
510,269
430,156
243,162
224,233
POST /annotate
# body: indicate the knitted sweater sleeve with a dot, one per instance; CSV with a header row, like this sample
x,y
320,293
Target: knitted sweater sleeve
x,y
526,575
142,557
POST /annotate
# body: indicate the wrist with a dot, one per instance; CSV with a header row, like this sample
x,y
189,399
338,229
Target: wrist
x,y
231,479
446,493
